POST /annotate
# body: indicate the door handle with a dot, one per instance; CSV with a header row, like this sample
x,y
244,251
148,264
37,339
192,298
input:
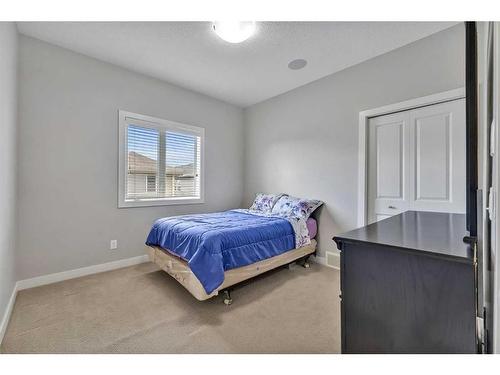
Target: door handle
x,y
392,207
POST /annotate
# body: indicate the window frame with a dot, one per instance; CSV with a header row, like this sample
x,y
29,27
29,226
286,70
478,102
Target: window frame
x,y
162,125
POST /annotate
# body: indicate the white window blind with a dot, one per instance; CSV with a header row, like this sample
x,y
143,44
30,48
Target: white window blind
x,y
160,161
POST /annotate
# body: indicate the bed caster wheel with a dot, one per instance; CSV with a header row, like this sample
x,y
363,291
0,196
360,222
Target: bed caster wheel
x,y
227,298
307,265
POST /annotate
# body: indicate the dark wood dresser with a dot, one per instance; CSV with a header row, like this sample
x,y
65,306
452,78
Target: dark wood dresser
x,y
408,286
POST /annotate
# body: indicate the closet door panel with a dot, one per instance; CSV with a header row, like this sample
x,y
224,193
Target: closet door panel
x,y
416,161
387,166
437,158
389,145
432,158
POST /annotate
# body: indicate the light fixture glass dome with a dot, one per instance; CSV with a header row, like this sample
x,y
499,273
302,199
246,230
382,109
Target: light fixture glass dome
x,y
234,31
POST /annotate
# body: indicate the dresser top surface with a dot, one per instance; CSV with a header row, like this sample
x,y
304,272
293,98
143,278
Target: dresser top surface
x,y
435,233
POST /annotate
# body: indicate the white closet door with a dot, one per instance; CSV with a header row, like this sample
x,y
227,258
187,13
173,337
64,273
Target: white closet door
x,y
388,151
416,161
437,154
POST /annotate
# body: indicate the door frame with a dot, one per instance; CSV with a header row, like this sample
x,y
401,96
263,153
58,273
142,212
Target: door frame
x,y
364,117
495,229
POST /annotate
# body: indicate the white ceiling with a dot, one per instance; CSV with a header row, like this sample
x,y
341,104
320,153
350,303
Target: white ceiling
x,y
190,55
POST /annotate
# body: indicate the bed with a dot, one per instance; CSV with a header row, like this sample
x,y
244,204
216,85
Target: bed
x,y
208,253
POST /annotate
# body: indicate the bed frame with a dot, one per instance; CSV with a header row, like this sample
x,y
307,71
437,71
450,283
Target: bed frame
x,y
179,269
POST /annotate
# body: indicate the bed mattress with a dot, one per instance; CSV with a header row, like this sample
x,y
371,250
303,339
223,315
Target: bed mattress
x,y
214,243
180,271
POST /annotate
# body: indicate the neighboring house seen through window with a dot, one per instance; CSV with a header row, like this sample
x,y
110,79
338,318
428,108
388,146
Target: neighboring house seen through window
x,y
151,183
160,162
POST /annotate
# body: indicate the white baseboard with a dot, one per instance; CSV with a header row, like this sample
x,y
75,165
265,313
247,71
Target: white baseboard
x,y
79,272
323,262
7,313
320,260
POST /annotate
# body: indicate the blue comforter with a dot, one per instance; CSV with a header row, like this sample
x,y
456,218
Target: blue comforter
x,y
216,242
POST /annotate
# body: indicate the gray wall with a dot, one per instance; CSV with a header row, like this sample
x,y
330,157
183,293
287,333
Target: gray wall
x,y
8,143
68,155
305,142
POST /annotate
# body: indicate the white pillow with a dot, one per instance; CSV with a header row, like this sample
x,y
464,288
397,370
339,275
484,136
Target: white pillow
x,y
288,206
265,202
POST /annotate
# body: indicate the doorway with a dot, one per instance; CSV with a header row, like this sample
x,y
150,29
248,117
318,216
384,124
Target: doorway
x,y
412,157
416,161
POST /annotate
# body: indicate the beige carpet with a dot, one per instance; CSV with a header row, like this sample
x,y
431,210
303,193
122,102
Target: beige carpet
x,y
141,309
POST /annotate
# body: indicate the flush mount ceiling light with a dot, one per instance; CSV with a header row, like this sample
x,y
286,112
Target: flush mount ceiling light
x,y
234,31
297,64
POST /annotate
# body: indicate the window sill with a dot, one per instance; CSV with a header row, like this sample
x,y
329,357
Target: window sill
x,y
159,202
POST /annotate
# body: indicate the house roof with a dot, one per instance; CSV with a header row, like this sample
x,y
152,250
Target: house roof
x,y
141,164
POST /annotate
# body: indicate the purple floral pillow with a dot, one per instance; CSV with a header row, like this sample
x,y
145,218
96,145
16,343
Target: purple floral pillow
x,y
288,206
265,202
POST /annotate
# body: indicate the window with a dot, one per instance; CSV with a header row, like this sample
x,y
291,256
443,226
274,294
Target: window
x,y
151,183
160,162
